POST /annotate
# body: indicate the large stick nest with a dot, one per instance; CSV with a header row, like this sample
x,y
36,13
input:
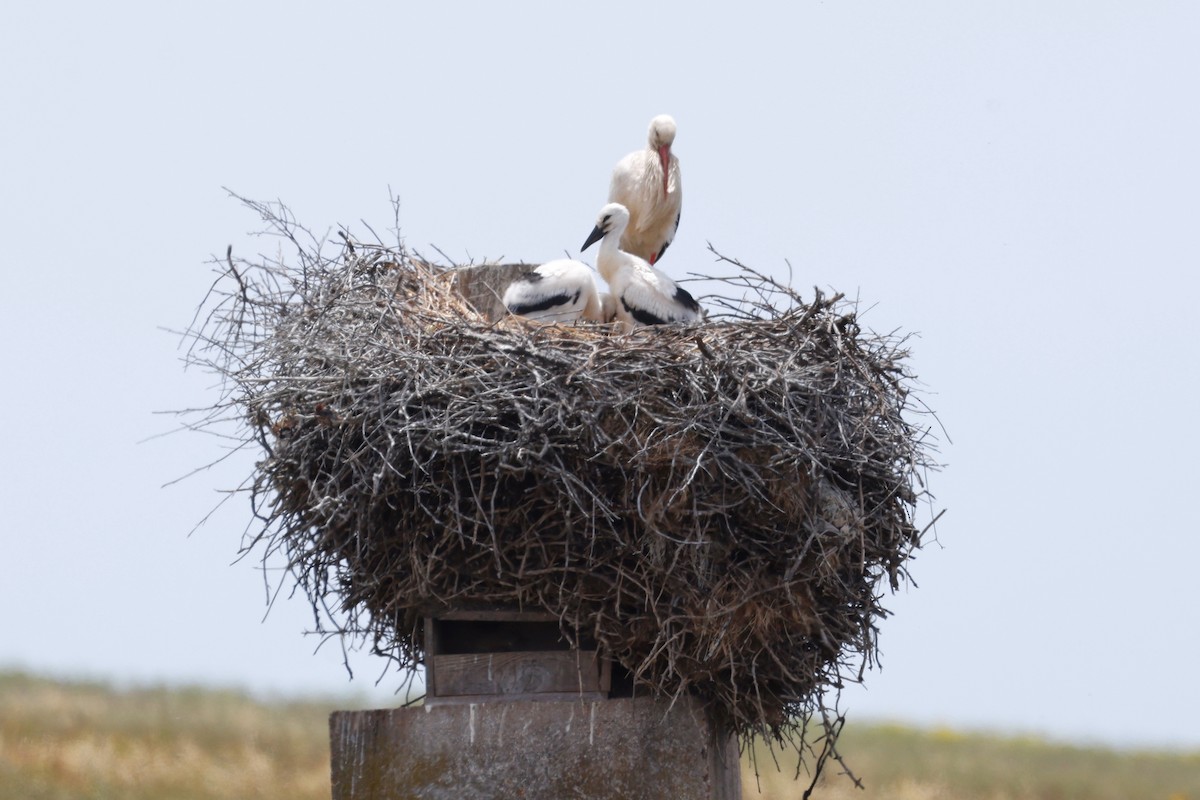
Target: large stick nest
x,y
718,505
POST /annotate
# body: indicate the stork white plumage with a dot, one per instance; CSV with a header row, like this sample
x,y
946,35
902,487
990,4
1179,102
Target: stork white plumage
x,y
643,294
608,307
558,291
648,183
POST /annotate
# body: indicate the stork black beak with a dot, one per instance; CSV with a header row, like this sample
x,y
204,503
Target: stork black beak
x,y
596,235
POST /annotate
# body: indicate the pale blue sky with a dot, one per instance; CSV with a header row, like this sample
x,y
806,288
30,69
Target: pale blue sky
x,y
1018,183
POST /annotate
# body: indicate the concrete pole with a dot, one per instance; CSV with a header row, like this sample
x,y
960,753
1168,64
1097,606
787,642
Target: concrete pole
x,y
614,749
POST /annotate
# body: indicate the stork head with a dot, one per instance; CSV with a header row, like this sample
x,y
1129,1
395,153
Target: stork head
x,y
662,132
614,218
661,137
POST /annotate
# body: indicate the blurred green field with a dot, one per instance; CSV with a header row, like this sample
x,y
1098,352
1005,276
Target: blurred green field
x,y
70,741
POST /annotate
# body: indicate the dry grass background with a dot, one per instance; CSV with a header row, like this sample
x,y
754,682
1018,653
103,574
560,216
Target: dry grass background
x,y
77,741
60,740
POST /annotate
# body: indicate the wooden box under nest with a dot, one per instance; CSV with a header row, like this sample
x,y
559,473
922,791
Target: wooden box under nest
x,y
715,506
500,655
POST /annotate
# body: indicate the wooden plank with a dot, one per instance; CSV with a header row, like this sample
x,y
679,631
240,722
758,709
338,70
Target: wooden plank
x,y
498,615
563,671
431,646
529,697
487,636
605,673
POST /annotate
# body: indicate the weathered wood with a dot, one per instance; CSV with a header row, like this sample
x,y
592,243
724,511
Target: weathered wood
x,y
497,615
504,655
519,697
626,748
486,636
519,673
432,646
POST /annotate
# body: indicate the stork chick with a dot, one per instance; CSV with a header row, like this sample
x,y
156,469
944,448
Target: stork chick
x,y
644,295
558,291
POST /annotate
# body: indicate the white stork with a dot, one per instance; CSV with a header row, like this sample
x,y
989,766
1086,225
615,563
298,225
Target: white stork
x,y
558,291
647,182
643,294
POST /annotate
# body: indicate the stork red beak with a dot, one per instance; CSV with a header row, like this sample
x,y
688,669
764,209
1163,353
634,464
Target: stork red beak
x,y
664,157
596,235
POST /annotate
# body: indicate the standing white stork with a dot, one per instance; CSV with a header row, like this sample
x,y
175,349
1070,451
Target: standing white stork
x,y
643,294
648,183
558,291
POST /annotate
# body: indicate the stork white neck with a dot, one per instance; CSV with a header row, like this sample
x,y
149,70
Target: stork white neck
x,y
610,256
610,225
